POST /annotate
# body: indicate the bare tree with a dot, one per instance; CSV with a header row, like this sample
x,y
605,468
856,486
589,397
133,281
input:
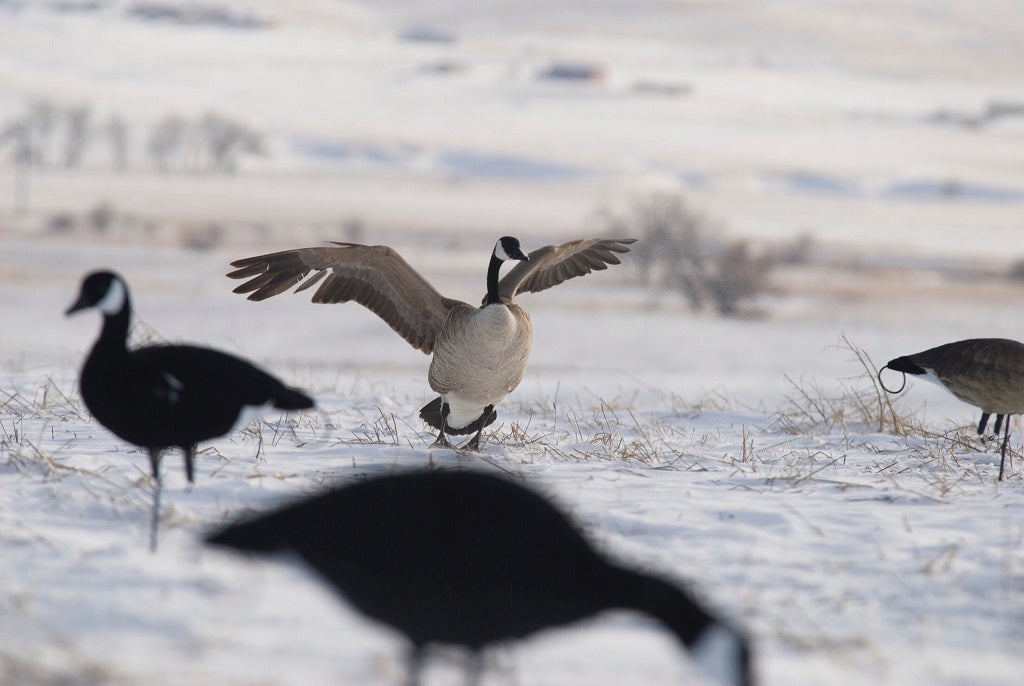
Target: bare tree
x,y
226,140
19,135
78,120
680,251
41,121
212,144
738,275
51,135
117,131
165,140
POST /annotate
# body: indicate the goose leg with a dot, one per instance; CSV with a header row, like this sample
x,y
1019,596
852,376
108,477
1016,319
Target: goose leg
x,y
475,668
984,422
415,666
474,443
190,456
1006,437
442,440
154,517
999,423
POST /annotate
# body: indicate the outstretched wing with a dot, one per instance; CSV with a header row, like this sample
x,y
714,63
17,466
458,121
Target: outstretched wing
x,y
375,276
553,264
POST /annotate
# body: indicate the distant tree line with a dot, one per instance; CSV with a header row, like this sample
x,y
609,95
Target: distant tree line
x,y
194,13
48,135
210,144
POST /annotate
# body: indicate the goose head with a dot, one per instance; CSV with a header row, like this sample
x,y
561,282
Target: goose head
x,y
104,290
507,248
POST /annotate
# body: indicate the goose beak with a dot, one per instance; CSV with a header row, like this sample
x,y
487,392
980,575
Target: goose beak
x,y
78,305
518,254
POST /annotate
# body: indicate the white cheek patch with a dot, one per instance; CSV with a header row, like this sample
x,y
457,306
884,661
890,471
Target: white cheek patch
x,y
499,251
113,300
719,652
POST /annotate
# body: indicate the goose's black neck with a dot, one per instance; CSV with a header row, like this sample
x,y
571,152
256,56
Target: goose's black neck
x,y
493,295
659,599
114,335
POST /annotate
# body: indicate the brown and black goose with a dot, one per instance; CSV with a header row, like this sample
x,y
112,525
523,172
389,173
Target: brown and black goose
x,y
479,353
985,372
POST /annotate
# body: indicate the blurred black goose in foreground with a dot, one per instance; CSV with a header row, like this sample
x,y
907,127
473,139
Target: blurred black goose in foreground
x,y
470,559
164,396
479,353
985,372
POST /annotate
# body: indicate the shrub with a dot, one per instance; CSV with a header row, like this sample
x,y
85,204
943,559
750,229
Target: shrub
x,y
680,250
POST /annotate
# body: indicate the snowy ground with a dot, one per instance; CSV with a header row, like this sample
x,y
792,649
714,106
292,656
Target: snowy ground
x,y
852,554
728,453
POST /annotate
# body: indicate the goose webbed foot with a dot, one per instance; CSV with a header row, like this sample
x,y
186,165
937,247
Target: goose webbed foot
x,y
488,416
471,446
442,442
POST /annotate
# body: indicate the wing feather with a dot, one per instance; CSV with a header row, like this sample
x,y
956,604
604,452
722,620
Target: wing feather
x,y
553,264
375,276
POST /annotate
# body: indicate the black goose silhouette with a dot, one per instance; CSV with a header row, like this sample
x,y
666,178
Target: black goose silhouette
x,y
471,559
164,396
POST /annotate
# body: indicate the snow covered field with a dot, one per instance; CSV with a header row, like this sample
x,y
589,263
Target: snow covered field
x,y
728,453
851,554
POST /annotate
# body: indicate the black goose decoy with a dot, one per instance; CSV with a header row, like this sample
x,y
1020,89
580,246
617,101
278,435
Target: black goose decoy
x,y
469,559
165,396
479,353
985,372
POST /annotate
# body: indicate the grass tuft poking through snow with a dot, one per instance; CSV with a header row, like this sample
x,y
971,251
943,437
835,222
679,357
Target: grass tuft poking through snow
x,y
860,403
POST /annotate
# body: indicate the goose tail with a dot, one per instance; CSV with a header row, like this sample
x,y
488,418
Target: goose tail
x,y
431,414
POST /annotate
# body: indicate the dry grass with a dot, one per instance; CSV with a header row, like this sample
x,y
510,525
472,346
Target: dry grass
x,y
381,429
36,451
612,431
859,404
862,405
17,671
818,428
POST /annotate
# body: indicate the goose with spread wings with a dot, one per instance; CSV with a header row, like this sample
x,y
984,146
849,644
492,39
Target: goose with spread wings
x,y
478,353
